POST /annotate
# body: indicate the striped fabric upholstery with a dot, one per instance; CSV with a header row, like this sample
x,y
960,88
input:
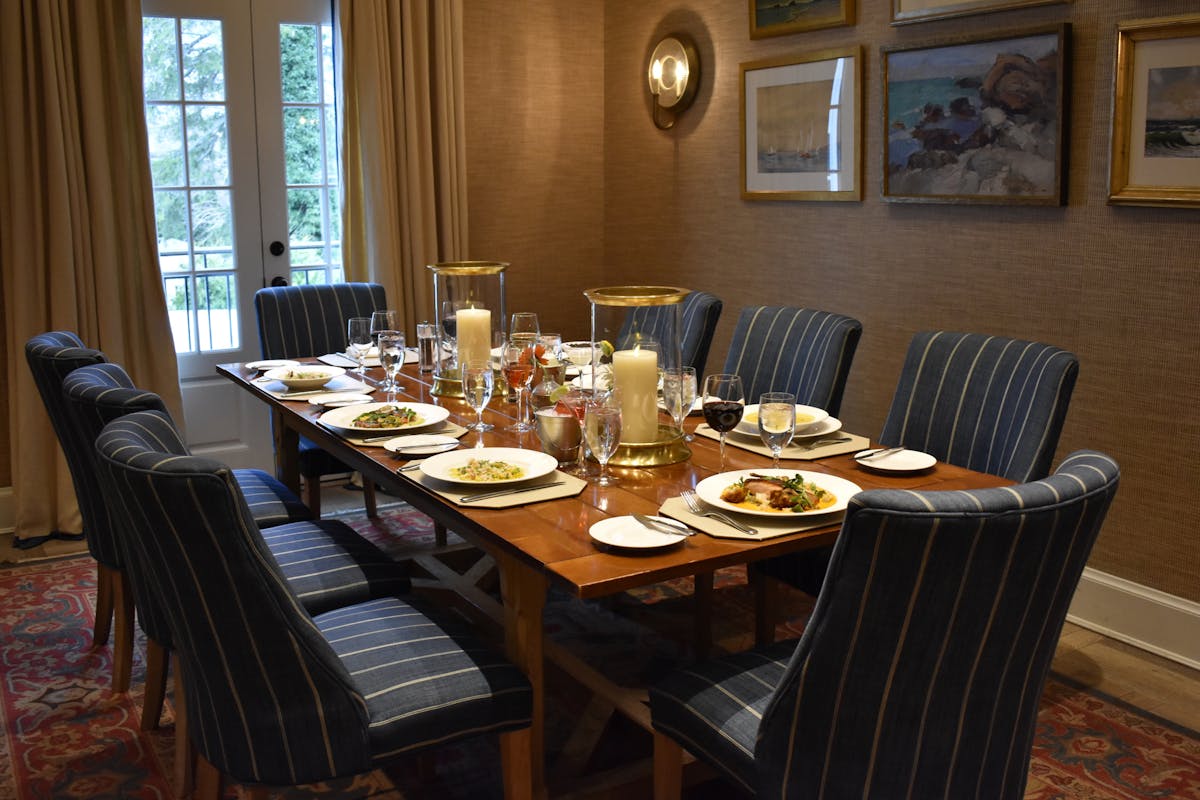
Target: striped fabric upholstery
x,y
799,350
989,403
698,315
270,699
98,394
920,671
52,357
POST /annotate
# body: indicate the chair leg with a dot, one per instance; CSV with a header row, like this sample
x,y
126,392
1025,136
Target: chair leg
x,y
156,684
766,600
516,753
439,534
369,497
122,599
311,494
104,606
668,768
210,784
185,754
255,793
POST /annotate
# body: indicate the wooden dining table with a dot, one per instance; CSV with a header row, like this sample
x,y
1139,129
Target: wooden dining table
x,y
540,544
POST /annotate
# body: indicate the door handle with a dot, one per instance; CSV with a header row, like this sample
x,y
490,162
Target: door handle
x,y
278,281
276,248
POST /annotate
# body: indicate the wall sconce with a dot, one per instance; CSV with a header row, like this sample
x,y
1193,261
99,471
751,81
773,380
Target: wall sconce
x,y
674,74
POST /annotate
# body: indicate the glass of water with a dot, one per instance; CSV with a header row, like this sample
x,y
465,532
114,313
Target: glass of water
x,y
777,422
358,340
477,381
391,357
602,429
679,394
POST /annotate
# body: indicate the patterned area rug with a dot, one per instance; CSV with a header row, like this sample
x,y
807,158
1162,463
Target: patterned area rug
x,y
66,735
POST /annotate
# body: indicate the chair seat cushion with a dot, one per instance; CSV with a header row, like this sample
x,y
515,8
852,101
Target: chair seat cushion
x,y
271,503
714,708
425,682
329,565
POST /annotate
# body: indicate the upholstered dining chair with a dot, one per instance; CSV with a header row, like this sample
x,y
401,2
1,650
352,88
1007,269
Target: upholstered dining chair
x,y
799,350
307,321
276,695
327,563
699,314
921,668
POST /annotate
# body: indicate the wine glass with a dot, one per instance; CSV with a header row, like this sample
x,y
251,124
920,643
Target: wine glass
x,y
450,326
477,381
679,394
777,422
358,341
382,321
391,357
602,429
516,362
724,400
524,322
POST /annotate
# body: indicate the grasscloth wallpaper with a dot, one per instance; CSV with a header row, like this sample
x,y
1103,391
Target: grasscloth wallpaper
x,y
572,183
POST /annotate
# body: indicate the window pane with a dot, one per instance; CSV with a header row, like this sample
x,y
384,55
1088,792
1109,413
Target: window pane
x,y
212,220
179,311
304,215
335,214
327,96
208,146
331,147
165,133
217,317
170,218
302,145
203,59
305,256
213,260
160,59
298,63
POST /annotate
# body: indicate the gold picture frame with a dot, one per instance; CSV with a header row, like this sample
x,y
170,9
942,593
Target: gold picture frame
x,y
782,17
1155,148
801,120
905,12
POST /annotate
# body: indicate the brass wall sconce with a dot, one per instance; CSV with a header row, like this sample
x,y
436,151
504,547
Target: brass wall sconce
x,y
674,75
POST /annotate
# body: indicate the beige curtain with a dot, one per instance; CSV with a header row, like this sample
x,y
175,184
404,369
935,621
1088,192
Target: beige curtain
x,y
404,150
77,238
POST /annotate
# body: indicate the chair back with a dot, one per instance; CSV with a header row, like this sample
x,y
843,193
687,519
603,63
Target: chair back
x,y
799,350
988,403
699,313
305,321
266,695
52,357
921,669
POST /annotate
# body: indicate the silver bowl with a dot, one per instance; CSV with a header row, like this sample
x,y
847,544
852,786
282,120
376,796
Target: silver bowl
x,y
558,433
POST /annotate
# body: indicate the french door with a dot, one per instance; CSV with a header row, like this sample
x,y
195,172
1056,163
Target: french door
x,y
240,122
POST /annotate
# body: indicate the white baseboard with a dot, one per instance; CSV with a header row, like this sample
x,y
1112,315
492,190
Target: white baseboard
x,y
8,512
1164,624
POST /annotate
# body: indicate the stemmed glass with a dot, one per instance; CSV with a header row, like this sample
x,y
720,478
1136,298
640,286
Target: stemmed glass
x,y
391,357
382,321
524,323
679,393
516,361
358,336
450,326
477,388
602,429
777,422
724,400
576,400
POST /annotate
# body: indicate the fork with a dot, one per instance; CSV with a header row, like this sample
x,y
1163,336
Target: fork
x,y
693,503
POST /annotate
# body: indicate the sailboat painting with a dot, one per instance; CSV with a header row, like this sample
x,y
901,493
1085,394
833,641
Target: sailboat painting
x,y
793,128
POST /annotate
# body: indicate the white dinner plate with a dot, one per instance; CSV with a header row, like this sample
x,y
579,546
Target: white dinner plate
x,y
343,418
533,464
898,462
749,423
711,487
824,428
334,399
420,444
271,363
628,532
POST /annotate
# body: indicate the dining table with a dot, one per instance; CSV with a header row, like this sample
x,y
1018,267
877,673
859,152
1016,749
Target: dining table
x,y
538,543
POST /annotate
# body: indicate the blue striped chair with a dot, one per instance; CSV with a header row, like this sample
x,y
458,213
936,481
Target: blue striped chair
x,y
920,671
307,321
799,350
699,313
327,562
276,695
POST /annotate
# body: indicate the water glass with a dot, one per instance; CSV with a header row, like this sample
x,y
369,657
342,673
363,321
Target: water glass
x,y
358,340
427,344
602,429
724,400
679,394
777,422
391,357
477,381
524,322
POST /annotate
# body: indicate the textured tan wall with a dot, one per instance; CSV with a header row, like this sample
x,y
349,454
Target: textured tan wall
x,y
1115,285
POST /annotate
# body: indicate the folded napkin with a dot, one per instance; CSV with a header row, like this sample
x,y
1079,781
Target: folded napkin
x,y
372,359
797,450
339,385
768,527
447,428
569,487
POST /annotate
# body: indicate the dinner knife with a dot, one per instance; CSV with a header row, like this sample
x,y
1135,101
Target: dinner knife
x,y
471,498
887,451
662,526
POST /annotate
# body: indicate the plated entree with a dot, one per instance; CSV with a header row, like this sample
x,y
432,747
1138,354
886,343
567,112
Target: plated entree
x,y
487,469
779,494
387,417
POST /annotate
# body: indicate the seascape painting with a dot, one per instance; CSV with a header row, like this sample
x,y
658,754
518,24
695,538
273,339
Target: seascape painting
x,y
779,17
793,128
1173,113
976,122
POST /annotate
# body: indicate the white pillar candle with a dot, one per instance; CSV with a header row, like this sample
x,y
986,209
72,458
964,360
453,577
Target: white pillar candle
x,y
635,373
474,328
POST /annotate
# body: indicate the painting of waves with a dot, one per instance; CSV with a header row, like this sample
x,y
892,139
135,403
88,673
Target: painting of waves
x,y
1173,113
784,12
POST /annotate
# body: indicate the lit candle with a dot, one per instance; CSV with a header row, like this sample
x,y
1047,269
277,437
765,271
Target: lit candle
x,y
635,373
474,328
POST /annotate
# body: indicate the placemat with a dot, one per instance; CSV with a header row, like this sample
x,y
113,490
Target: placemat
x,y
340,384
767,527
372,359
569,487
796,451
447,428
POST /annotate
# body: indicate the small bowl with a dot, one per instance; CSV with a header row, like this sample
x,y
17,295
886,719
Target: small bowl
x,y
559,434
304,376
806,417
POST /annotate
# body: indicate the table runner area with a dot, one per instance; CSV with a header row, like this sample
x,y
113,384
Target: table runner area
x,y
797,451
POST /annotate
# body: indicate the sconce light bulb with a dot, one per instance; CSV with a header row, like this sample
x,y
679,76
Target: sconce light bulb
x,y
656,70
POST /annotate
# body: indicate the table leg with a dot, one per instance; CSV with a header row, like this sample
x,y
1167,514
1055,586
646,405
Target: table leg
x,y
287,452
524,591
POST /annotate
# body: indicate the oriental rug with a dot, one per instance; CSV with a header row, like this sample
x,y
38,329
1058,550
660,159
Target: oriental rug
x,y
66,735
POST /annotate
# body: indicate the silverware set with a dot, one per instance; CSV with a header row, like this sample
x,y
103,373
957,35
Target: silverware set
x,y
693,504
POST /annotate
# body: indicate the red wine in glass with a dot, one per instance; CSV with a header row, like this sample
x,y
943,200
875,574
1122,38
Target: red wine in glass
x,y
722,415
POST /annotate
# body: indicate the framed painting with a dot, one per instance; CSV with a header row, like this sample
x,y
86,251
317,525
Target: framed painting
x,y
979,120
1156,113
802,127
906,11
781,17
